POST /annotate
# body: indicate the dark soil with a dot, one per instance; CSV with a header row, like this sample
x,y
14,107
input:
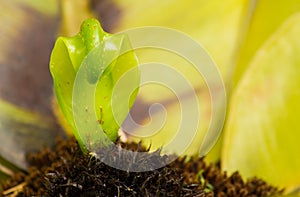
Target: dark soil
x,y
66,171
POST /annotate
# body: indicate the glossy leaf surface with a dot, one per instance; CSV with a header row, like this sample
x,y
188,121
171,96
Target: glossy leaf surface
x,y
102,52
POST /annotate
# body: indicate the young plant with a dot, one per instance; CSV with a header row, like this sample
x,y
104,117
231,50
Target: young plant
x,y
86,69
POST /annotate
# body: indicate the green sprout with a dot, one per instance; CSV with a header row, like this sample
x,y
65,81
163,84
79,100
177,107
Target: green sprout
x,y
204,183
85,69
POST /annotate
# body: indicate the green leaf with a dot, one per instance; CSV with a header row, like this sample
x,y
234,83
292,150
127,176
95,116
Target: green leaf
x,y
76,64
216,26
267,16
262,133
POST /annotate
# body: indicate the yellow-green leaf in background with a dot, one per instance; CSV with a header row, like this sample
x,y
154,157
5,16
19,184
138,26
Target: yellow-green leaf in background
x,y
217,26
265,19
262,134
213,24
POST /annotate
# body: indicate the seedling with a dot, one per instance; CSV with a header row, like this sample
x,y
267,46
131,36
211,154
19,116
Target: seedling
x,y
85,70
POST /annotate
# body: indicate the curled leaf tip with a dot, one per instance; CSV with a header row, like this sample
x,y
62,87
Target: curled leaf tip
x,y
91,33
85,69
